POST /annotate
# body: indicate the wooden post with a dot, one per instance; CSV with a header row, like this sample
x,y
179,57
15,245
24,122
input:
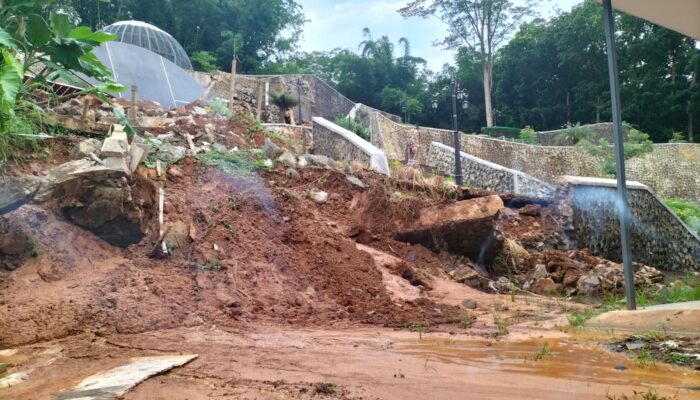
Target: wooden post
x,y
134,105
260,99
233,85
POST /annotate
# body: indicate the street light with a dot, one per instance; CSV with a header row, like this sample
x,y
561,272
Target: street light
x,y
463,96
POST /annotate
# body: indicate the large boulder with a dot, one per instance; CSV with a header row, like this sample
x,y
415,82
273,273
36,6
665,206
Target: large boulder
x,y
465,227
12,240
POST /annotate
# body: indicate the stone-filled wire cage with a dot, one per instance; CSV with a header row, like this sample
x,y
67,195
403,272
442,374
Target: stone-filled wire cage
x,y
151,38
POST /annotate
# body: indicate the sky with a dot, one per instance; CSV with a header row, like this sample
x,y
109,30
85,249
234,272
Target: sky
x,y
339,23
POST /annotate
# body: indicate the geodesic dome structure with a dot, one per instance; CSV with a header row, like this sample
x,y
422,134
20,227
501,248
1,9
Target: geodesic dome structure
x,y
151,38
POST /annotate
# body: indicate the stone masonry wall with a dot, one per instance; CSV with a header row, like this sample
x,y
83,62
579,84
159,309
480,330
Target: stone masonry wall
x,y
487,175
670,170
340,144
658,237
318,99
600,131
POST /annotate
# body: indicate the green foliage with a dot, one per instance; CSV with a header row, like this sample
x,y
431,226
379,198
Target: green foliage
x,y
573,135
263,30
659,95
650,395
529,135
353,126
465,322
285,101
543,352
687,212
219,107
498,131
204,61
678,137
238,163
682,290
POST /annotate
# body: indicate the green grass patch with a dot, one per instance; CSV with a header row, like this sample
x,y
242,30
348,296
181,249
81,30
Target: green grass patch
x,y
239,163
354,127
680,291
687,212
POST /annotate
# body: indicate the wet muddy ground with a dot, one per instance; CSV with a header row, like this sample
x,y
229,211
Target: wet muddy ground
x,y
353,363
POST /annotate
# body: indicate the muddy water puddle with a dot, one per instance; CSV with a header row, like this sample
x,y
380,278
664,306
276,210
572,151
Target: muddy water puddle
x,y
566,360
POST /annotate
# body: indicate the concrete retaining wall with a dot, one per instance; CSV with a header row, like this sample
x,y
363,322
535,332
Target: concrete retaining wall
x,y
487,175
659,238
340,144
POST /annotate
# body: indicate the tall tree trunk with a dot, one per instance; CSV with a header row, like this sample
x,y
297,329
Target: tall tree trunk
x,y
690,127
693,83
488,80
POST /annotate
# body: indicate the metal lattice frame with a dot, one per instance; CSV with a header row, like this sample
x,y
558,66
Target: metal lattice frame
x,y
150,38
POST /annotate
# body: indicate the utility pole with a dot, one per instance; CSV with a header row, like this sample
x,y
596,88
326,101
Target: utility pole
x,y
622,202
458,153
234,63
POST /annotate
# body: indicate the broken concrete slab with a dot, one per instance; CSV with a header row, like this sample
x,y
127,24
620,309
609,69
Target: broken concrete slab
x,y
116,145
465,227
117,381
13,379
137,155
677,319
88,146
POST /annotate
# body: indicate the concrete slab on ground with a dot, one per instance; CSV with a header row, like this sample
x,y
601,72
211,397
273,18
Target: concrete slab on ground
x,y
117,381
678,319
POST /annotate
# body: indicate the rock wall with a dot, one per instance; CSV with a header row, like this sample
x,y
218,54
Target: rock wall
x,y
599,131
318,99
487,175
658,237
340,144
670,170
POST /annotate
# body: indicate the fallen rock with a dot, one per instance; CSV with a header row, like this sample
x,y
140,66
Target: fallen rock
x,y
177,234
355,181
589,285
171,153
88,146
292,173
319,197
271,150
546,286
469,304
465,227
317,160
288,158
12,240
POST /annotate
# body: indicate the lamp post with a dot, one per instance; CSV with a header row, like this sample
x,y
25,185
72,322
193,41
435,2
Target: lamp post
x,y
461,95
300,121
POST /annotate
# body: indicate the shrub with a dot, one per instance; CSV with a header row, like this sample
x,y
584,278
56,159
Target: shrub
x,y
354,126
573,135
219,107
678,137
529,136
687,212
497,131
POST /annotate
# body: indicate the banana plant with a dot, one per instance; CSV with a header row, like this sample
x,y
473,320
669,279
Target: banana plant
x,y
40,46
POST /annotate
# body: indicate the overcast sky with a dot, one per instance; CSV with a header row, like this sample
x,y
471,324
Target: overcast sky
x,y
339,23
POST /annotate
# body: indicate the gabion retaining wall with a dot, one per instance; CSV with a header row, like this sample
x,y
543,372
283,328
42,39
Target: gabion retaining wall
x,y
658,237
487,175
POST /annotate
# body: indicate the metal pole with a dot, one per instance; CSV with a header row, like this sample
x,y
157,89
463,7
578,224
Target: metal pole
x,y
622,202
458,152
299,120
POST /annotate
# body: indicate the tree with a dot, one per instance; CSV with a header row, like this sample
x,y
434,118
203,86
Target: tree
x,y
480,25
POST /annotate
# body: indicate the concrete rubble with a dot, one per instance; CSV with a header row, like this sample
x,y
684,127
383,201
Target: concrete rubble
x,y
466,227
